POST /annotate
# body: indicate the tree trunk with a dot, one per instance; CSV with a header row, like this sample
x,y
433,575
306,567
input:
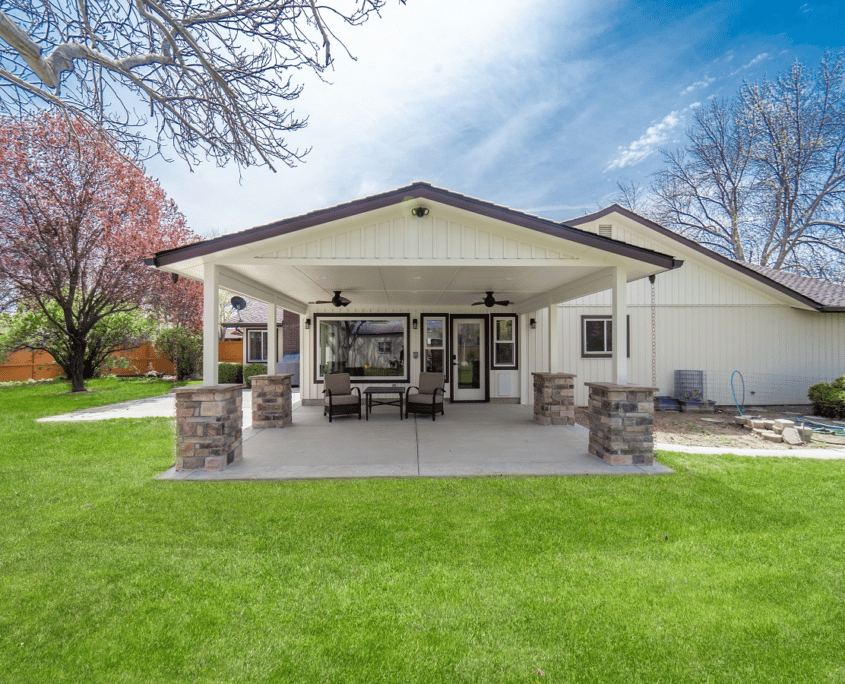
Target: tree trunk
x,y
76,366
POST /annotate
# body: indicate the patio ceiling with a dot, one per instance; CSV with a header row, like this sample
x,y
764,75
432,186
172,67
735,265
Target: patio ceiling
x,y
378,255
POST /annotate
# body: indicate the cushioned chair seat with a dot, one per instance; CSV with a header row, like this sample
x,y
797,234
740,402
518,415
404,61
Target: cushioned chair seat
x,y
423,398
341,399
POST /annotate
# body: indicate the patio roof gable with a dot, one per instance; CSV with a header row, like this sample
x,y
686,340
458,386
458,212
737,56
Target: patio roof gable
x,y
417,246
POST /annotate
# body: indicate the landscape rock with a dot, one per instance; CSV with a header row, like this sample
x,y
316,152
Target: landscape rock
x,y
791,436
781,424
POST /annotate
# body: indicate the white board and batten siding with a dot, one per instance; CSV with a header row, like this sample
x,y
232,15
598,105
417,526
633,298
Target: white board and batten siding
x,y
713,319
428,238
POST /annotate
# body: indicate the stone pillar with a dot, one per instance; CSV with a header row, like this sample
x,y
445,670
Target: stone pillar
x,y
622,423
208,426
554,398
271,401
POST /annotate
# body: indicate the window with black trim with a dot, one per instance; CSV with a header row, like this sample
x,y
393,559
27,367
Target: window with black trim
x,y
434,336
504,342
597,337
366,347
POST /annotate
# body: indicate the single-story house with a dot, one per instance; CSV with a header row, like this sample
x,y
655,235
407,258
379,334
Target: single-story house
x,y
422,278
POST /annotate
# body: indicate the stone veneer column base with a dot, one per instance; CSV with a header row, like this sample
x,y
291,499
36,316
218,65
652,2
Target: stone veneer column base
x,y
208,426
271,401
554,398
622,423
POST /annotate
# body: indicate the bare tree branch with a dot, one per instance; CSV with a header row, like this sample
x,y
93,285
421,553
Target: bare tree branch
x,y
762,177
212,75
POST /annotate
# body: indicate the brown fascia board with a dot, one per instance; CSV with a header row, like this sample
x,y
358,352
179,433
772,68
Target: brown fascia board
x,y
415,191
759,277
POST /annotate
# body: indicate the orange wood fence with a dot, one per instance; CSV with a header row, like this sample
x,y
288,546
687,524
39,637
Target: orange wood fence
x,y
26,365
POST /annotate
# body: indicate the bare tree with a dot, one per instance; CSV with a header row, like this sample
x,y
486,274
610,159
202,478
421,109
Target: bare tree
x,y
762,178
212,75
634,197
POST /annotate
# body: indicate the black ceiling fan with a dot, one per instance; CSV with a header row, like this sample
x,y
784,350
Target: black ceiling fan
x,y
490,300
337,300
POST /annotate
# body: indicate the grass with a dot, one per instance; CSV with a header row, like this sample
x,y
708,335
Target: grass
x,y
732,570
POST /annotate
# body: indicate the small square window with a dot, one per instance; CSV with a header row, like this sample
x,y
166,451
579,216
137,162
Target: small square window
x,y
597,337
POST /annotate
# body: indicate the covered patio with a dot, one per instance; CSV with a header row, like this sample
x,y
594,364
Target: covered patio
x,y
470,440
422,279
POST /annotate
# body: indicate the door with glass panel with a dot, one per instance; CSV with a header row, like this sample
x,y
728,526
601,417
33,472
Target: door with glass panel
x,y
469,359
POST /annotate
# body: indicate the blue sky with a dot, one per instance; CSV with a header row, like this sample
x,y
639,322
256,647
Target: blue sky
x,y
540,105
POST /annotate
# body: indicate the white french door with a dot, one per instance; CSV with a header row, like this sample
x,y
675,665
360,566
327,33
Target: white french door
x,y
469,359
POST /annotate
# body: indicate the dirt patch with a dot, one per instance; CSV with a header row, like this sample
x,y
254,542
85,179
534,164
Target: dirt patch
x,y
719,429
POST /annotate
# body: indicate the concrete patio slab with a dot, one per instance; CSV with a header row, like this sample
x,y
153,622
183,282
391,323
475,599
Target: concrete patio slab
x,y
470,440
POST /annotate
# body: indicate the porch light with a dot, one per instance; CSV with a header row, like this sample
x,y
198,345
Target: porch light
x,y
533,323
308,324
419,212
414,323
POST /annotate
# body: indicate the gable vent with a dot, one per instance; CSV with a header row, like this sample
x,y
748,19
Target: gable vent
x,y
606,231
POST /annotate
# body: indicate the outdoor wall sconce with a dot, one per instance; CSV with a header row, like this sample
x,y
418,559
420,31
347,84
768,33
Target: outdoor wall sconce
x,y
419,212
533,323
414,323
308,324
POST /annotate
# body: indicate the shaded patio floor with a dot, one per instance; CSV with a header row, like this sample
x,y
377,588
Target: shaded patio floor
x,y
470,440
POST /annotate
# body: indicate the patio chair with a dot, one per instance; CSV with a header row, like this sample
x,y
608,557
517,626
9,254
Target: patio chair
x,y
338,398
429,397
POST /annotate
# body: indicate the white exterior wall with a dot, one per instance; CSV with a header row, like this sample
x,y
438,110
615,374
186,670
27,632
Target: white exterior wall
x,y
710,319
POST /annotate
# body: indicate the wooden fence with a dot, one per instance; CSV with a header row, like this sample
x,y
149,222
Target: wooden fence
x,y
27,365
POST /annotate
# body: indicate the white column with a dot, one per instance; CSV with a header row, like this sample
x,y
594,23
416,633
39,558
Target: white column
x,y
554,340
272,341
620,326
210,322
524,370
306,354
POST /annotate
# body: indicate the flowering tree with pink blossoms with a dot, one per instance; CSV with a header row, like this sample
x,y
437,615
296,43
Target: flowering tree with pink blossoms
x,y
76,220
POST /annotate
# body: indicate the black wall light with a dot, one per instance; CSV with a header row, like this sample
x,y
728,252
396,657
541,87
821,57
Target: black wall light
x,y
308,324
419,212
533,323
414,323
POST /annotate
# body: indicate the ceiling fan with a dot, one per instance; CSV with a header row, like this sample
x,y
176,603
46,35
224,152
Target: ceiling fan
x,y
337,300
490,300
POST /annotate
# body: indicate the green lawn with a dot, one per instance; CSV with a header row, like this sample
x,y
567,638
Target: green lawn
x,y
732,570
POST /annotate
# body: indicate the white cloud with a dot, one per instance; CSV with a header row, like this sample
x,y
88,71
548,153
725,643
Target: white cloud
x,y
706,82
648,143
428,77
759,58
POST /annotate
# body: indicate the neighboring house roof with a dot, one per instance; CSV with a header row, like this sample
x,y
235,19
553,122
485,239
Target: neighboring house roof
x,y
821,295
381,328
255,313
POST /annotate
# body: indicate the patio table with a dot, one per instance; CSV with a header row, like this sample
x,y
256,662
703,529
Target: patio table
x,y
394,398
